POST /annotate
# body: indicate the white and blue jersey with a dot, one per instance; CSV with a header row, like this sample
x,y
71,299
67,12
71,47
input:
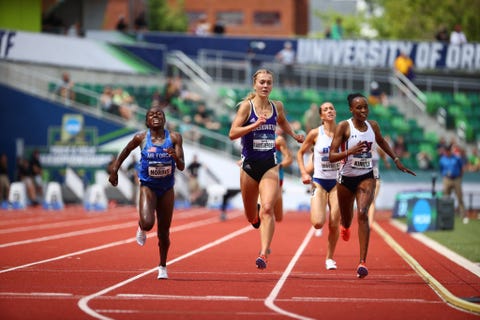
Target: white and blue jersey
x,y
323,168
157,167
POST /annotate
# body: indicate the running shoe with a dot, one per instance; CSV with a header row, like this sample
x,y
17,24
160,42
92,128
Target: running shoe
x,y
345,233
162,273
330,264
261,262
362,270
318,232
256,225
141,236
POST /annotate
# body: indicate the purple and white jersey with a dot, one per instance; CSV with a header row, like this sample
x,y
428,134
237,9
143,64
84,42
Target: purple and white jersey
x,y
259,144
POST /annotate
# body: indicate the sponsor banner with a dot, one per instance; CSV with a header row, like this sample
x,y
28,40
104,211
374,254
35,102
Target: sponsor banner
x,y
61,50
381,54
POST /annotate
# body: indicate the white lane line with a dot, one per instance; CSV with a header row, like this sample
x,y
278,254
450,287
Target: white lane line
x,y
36,294
83,303
270,301
373,300
112,244
180,297
70,234
61,224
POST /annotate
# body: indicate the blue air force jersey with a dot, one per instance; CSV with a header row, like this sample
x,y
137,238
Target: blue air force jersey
x,y
157,167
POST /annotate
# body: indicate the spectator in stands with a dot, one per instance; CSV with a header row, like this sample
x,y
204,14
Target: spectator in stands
x,y
457,37
311,119
122,24
202,27
124,102
404,64
106,101
203,118
442,35
337,29
219,28
24,174
400,147
377,96
195,189
36,171
451,169
441,146
473,163
424,161
65,88
286,57
4,179
140,25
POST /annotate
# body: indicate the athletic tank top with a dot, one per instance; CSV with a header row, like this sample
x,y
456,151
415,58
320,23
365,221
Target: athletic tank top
x,y
157,167
259,144
360,163
323,168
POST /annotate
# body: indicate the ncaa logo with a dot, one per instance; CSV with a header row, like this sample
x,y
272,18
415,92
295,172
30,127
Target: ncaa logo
x,y
421,215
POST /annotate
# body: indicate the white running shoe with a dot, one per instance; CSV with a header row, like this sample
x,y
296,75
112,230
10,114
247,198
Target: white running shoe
x,y
318,232
141,236
330,264
162,273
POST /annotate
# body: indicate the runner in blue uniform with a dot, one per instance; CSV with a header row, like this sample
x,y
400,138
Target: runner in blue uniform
x,y
352,144
255,123
161,154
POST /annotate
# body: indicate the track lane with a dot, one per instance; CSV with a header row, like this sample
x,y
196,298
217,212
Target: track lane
x,y
222,281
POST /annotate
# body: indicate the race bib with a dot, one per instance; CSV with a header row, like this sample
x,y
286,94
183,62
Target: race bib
x,y
362,161
329,166
159,170
263,142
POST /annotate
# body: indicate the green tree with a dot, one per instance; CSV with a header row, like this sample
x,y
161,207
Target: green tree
x,y
421,19
162,17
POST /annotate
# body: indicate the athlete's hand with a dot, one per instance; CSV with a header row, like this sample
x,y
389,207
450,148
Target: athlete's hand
x,y
306,178
113,178
299,137
402,168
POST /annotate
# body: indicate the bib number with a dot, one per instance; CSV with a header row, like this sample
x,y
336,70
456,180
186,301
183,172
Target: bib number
x,y
159,170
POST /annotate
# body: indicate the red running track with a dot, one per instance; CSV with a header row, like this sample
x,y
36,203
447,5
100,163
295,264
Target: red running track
x,y
74,264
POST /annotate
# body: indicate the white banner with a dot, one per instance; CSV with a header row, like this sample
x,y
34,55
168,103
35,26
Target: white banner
x,y
381,54
60,50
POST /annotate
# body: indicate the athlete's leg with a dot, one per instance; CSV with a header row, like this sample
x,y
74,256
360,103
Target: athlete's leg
x,y
318,206
249,189
364,196
371,210
164,220
146,208
268,188
345,199
333,222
